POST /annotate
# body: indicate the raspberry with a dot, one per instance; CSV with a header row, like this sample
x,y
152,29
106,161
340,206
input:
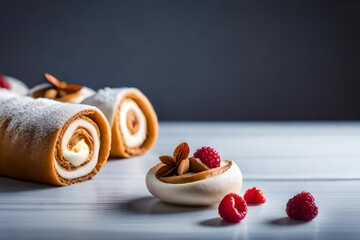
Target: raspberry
x,y
302,207
209,156
254,196
232,208
4,83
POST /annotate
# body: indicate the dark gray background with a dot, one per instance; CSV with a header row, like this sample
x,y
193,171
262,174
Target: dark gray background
x,y
196,60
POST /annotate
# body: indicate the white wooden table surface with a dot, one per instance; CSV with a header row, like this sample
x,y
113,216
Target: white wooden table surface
x,y
280,158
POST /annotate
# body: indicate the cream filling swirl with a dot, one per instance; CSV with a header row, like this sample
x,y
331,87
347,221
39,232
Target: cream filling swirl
x,y
78,155
80,152
132,140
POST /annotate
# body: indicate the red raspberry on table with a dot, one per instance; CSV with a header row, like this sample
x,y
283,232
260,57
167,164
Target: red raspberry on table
x,y
209,156
254,196
4,83
232,208
302,207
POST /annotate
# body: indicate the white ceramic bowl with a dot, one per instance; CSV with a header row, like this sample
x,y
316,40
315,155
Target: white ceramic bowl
x,y
199,193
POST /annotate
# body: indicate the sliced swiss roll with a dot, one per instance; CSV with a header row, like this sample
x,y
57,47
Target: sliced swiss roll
x,y
51,142
132,118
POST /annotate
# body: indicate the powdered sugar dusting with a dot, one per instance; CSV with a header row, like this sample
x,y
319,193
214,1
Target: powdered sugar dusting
x,y
108,95
35,119
107,99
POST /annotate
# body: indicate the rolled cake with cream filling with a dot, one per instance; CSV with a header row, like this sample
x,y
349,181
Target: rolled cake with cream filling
x,y
51,142
132,118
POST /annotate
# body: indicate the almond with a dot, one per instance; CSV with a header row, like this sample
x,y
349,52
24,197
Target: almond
x,y
184,167
197,166
51,93
60,85
193,177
